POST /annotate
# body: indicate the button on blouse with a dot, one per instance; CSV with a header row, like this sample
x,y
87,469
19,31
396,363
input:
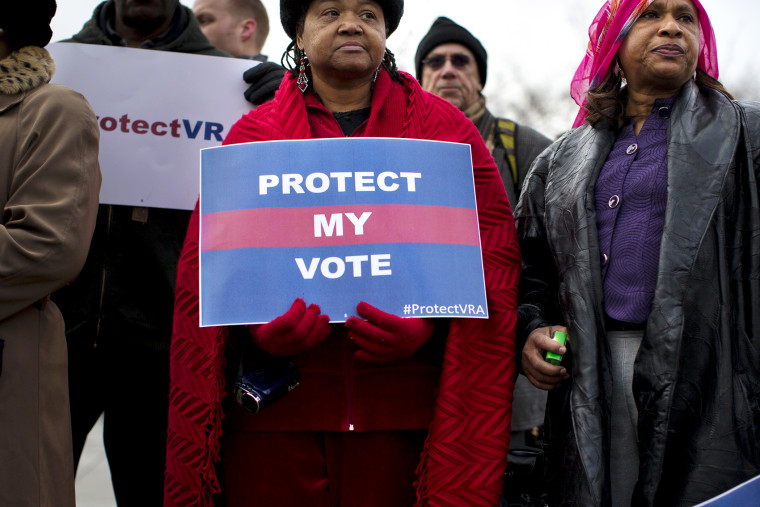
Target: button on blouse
x,y
631,196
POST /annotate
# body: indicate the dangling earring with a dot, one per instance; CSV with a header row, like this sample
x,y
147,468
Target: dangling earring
x,y
303,79
619,72
377,71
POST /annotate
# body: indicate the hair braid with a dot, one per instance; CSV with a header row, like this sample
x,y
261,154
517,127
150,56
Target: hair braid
x,y
389,64
291,58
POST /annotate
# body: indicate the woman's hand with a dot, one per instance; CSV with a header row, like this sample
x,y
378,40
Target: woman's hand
x,y
295,332
542,374
385,337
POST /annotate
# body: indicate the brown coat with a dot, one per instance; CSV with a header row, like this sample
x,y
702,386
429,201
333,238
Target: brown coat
x,y
49,185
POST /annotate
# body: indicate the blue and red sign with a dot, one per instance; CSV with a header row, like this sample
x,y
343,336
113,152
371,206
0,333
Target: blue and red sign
x,y
392,222
746,494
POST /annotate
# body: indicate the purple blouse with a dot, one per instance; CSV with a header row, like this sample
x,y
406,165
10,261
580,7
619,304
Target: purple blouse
x,y
630,198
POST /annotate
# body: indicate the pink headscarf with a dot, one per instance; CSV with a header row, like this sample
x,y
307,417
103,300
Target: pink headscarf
x,y
607,32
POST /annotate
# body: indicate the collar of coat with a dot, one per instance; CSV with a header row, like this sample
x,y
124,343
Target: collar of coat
x,y
25,69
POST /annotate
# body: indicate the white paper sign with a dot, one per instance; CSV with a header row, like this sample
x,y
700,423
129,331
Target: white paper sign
x,y
156,111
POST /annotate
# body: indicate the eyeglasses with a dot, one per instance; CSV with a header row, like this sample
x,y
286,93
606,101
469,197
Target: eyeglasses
x,y
458,60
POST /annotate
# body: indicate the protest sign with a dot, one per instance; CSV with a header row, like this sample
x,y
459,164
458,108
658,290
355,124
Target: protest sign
x,y
746,494
392,222
156,111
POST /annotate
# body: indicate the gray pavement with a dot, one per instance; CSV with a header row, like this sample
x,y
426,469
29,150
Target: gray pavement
x,y
93,481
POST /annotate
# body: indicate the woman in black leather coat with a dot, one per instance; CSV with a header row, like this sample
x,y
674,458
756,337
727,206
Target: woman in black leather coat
x,y
640,236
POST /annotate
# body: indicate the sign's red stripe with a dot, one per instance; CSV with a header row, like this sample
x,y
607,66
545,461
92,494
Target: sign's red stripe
x,y
338,225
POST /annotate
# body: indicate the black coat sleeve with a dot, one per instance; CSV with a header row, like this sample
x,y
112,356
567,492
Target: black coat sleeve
x,y
538,291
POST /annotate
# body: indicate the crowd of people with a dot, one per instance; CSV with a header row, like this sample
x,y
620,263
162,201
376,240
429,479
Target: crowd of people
x,y
636,233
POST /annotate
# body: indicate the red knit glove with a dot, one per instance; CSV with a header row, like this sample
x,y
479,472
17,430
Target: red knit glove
x,y
384,337
299,330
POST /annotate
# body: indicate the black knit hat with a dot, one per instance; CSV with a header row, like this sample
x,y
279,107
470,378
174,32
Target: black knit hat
x,y
291,12
445,31
27,22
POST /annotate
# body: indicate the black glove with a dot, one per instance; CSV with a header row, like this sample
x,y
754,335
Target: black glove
x,y
264,79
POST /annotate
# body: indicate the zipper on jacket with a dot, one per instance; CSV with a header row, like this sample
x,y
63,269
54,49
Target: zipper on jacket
x,y
350,383
103,277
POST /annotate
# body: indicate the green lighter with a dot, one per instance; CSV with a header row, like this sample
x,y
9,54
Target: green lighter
x,y
551,357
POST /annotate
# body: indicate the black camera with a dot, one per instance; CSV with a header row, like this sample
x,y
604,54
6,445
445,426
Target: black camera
x,y
266,383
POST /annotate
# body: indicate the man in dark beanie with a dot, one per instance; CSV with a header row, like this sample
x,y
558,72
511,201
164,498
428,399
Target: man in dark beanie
x,y
451,63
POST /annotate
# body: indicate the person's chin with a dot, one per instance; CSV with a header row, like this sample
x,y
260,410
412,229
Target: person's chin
x,y
677,67
354,64
671,77
452,96
351,73
145,20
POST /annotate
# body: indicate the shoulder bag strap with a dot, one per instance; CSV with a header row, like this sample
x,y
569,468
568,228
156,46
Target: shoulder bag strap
x,y
507,130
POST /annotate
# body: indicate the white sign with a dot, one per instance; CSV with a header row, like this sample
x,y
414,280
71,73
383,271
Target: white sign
x,y
156,111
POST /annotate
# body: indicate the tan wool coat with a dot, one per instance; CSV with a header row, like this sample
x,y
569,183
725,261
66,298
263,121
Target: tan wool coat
x,y
49,186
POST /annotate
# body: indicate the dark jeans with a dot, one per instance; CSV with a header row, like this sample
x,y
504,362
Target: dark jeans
x,y
129,385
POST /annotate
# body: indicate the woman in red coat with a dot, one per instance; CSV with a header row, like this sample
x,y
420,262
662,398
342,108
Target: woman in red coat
x,y
381,397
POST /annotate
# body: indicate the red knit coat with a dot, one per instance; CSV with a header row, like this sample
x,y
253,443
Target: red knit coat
x,y
465,453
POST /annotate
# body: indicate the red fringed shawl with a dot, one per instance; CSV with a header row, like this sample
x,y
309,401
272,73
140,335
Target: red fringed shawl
x,y
465,453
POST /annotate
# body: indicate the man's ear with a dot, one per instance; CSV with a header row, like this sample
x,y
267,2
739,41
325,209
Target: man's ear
x,y
247,29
